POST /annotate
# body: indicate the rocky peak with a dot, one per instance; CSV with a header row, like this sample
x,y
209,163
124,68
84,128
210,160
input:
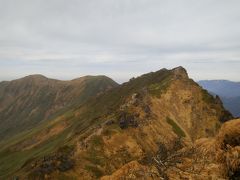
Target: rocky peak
x,y
180,72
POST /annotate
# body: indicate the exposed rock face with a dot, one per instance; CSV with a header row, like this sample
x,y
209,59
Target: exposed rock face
x,y
180,72
127,120
60,161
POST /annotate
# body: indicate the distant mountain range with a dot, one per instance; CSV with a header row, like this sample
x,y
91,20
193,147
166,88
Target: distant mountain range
x,y
228,91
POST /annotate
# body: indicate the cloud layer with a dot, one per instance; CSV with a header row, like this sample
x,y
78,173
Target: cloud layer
x,y
119,38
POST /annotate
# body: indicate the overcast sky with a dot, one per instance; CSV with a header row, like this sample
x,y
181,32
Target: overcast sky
x,y
66,39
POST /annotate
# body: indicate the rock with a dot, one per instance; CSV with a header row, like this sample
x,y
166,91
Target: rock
x,y
109,122
61,160
218,100
127,120
132,79
147,109
65,165
135,96
180,72
123,123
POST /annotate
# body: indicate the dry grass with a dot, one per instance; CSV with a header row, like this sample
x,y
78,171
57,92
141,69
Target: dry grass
x,y
229,134
133,170
228,142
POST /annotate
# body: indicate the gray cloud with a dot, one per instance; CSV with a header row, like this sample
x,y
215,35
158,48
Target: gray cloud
x,y
120,38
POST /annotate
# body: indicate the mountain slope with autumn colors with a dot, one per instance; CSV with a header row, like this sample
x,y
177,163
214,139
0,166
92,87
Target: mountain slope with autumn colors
x,y
147,127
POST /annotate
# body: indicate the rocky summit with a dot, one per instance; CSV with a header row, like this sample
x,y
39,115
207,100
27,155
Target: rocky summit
x,y
161,125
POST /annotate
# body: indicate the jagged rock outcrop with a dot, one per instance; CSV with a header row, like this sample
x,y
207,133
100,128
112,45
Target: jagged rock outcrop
x,y
180,72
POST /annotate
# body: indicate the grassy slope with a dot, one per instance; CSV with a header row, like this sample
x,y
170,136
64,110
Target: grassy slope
x,y
33,100
90,112
12,160
81,118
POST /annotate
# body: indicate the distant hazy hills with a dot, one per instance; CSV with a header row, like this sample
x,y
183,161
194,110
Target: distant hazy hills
x,y
228,91
222,88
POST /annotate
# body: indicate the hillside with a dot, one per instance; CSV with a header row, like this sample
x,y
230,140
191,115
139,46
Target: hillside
x,y
228,91
206,158
143,128
28,101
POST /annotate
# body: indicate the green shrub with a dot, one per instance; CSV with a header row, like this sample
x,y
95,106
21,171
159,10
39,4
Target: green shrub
x,y
208,98
177,130
96,141
156,89
95,170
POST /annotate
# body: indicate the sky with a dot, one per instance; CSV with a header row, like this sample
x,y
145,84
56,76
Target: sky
x,y
66,39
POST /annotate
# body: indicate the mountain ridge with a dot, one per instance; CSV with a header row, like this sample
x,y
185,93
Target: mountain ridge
x,y
47,97
125,126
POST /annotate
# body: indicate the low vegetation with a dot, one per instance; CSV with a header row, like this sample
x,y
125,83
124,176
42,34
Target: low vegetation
x,y
112,129
176,129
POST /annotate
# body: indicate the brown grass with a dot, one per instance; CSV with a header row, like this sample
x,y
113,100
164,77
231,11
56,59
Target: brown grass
x,y
228,142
